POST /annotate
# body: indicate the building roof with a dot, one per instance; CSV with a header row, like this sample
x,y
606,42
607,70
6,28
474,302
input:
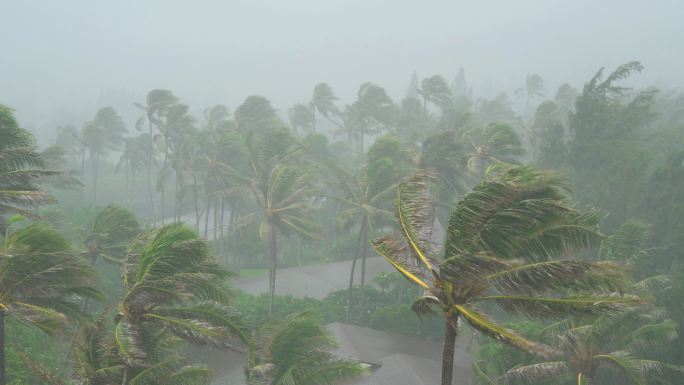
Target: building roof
x,y
394,359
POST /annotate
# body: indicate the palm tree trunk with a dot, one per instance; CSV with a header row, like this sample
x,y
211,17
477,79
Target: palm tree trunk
x,y
149,170
236,253
82,173
353,269
2,348
448,353
313,118
274,264
197,212
130,196
299,250
162,184
128,202
364,254
206,218
95,162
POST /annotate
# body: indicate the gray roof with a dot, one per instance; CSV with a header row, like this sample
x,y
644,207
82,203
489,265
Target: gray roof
x,y
315,281
399,359
395,359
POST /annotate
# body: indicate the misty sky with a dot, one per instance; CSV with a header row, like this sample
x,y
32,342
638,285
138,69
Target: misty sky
x,y
59,57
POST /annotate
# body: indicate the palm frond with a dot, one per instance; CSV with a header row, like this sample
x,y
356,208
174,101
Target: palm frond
x,y
416,215
534,372
559,307
492,329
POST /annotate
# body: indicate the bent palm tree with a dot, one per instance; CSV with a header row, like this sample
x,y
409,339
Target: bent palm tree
x,y
610,345
110,232
173,287
296,350
500,247
42,282
21,166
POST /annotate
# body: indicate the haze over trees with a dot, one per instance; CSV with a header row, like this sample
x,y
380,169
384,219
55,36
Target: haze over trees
x,y
530,226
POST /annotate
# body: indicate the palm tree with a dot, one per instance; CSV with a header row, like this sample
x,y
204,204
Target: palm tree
x,y
156,104
175,126
256,114
21,167
362,199
500,248
296,350
216,116
95,362
110,232
172,287
323,101
101,135
435,90
534,88
608,346
281,189
300,117
372,111
134,158
496,143
42,281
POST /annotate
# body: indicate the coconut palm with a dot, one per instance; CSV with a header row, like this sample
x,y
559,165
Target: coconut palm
x,y
134,158
99,136
323,101
296,350
362,202
281,189
436,91
300,117
496,143
372,111
110,232
157,103
612,346
21,167
534,88
42,281
500,248
95,361
173,288
256,114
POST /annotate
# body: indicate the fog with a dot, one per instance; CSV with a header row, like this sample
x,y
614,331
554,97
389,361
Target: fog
x,y
60,60
340,192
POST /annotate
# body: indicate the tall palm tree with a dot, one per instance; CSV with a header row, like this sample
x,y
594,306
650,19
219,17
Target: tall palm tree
x,y
435,90
21,167
372,111
300,117
296,350
534,88
323,101
99,136
172,287
608,346
362,203
496,143
500,248
134,158
175,126
281,189
42,281
108,235
156,104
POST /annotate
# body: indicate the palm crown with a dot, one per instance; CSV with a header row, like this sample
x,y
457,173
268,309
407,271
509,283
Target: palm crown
x,y
501,247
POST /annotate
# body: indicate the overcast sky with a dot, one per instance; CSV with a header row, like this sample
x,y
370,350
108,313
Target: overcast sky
x,y
58,57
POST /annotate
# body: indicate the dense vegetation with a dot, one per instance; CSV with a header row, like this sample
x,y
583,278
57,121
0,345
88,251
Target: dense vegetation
x,y
554,227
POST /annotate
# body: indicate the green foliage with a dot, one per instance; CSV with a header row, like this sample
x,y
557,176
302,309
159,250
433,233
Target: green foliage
x,y
296,350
